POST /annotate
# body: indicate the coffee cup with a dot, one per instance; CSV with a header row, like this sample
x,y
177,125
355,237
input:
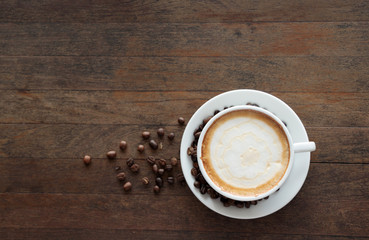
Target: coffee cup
x,y
246,153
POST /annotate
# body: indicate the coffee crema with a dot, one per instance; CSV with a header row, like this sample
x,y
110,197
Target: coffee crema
x,y
245,153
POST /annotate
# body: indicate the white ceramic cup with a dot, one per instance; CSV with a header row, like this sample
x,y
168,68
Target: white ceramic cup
x,y
294,148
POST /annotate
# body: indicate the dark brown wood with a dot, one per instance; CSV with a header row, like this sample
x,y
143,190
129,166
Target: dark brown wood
x,y
77,77
195,39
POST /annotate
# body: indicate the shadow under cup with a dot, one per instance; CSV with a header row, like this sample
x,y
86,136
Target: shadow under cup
x,y
255,173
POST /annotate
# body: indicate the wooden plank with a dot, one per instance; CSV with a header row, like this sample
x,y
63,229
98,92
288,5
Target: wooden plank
x,y
156,108
210,39
63,141
183,11
278,74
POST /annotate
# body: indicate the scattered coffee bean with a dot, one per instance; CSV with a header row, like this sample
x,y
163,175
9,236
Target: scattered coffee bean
x,y
87,160
153,144
162,162
197,184
135,168
121,176
213,194
170,180
216,112
168,167
130,162
181,121
140,148
266,197
145,180
159,181
181,179
171,136
111,154
127,186
206,120
194,172
197,134
195,165
156,189
155,168
239,204
254,202
117,168
203,189
161,172
123,145
200,178
145,135
174,161
150,160
247,204
160,132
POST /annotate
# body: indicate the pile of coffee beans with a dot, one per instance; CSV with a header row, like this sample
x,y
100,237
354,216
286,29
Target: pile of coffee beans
x,y
200,181
163,169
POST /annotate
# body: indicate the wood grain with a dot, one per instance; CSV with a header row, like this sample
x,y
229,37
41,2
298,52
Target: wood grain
x,y
210,39
98,11
277,74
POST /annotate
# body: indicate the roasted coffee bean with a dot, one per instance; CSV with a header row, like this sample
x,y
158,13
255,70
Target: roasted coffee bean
x,y
159,181
127,186
194,158
266,197
200,178
197,135
153,144
231,201
174,161
145,180
181,121
121,176
170,180
239,204
195,165
216,112
162,162
168,167
155,168
181,179
192,151
247,204
123,145
117,168
150,160
140,148
130,162
87,160
171,136
284,123
213,194
203,189
223,199
161,172
135,168
160,132
254,202
156,189
194,172
197,184
206,120
111,154
225,108
146,135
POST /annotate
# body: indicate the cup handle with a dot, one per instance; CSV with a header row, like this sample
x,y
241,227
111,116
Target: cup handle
x,y
304,147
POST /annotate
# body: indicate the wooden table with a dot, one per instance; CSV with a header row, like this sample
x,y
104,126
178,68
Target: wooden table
x,y
76,77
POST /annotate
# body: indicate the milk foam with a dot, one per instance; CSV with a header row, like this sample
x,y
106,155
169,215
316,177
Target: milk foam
x,y
247,151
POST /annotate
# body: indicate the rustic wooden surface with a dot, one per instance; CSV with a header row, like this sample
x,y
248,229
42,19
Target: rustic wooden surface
x,y
76,77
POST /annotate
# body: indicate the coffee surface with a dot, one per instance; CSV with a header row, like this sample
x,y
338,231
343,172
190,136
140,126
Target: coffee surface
x,y
245,153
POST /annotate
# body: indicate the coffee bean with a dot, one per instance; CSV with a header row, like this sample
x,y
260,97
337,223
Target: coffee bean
x,y
197,134
161,172
194,172
160,132
111,154
145,180
162,162
174,161
247,204
192,151
130,162
168,167
200,178
127,186
213,194
123,145
171,136
145,135
121,176
153,144
195,165
216,112
197,184
181,179
155,168
156,189
159,181
87,160
231,201
140,148
239,204
135,168
117,168
206,120
203,189
150,160
266,197
170,180
181,121
254,202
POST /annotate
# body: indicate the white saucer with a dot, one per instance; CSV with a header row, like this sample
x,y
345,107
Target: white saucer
x,y
298,173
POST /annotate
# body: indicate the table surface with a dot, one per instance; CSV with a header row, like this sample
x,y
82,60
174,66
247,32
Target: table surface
x,y
77,77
